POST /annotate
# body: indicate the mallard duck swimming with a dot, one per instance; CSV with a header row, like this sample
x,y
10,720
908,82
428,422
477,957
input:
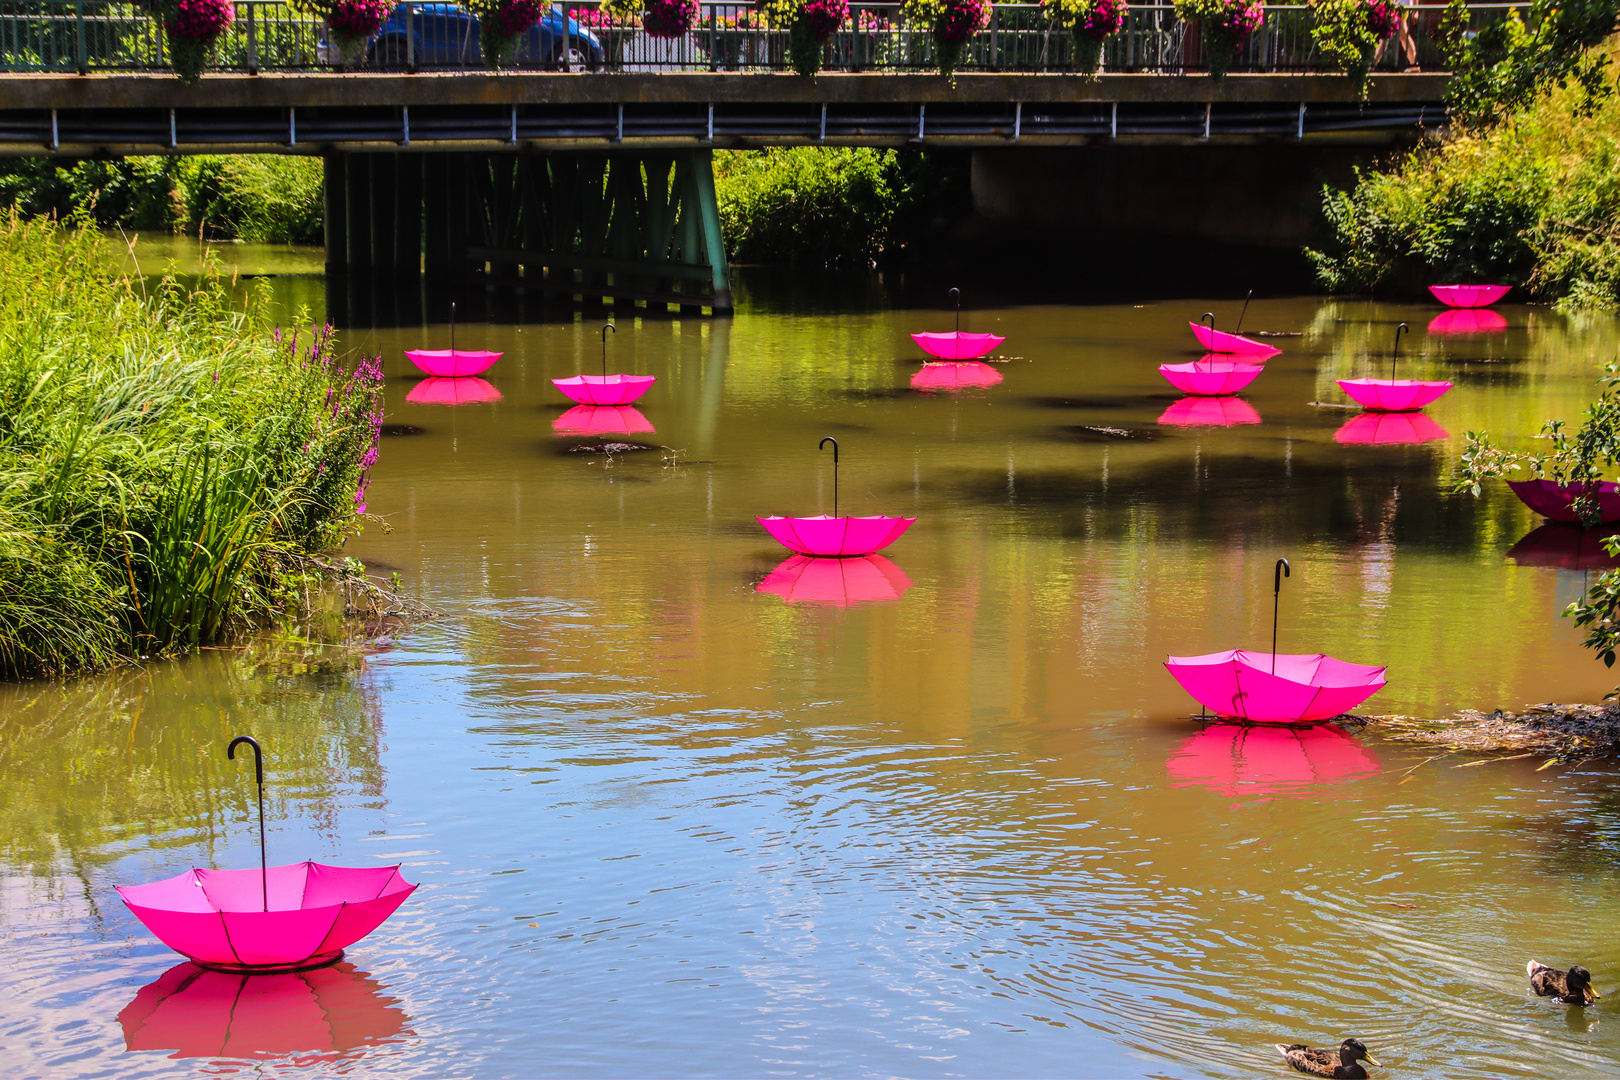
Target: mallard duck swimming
x,y
1572,987
1340,1063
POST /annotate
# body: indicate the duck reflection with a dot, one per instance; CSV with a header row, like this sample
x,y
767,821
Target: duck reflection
x,y
1565,547
330,1013
1241,760
871,579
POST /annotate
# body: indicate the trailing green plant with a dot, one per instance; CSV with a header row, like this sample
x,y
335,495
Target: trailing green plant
x,y
1349,32
1090,23
1224,26
952,24
1505,65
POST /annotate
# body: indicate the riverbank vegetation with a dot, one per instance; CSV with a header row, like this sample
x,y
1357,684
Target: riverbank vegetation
x,y
266,198
169,462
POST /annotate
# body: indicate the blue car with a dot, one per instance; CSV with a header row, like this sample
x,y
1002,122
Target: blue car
x,y
418,36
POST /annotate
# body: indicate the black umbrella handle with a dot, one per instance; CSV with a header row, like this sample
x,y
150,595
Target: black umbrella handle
x,y
452,360
956,296
1395,353
821,445
258,778
605,328
1209,317
1278,573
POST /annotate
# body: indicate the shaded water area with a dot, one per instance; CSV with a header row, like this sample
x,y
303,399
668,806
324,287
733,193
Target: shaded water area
x,y
677,811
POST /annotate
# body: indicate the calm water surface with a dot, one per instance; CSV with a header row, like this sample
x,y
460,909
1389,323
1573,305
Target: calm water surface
x,y
676,811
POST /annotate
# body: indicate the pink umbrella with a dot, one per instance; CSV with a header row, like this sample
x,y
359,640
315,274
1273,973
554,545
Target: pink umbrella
x,y
1210,378
1469,296
440,390
957,345
284,918
195,1012
1268,688
1389,428
1240,760
1392,394
1209,412
605,389
1468,321
1216,341
1556,501
1564,547
601,420
452,363
835,537
955,375
802,579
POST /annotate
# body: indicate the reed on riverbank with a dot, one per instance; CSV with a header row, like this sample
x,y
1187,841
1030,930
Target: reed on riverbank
x,y
168,460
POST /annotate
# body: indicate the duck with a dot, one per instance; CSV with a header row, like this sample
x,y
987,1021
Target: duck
x,y
1572,987
1339,1064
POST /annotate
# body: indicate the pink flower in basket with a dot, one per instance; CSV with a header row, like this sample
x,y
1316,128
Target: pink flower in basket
x,y
960,20
669,18
358,18
200,20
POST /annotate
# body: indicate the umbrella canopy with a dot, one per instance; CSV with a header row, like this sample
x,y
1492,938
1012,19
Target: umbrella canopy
x,y
1564,547
605,389
1209,412
955,375
1469,296
871,579
1240,760
1468,321
441,390
957,345
283,918
1389,428
1219,341
1556,502
1241,684
1210,378
835,537
1392,395
602,420
452,363
191,1011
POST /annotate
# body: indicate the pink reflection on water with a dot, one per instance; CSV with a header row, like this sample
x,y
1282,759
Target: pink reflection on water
x,y
1386,428
955,375
443,390
1209,412
1564,547
1468,321
602,420
1239,760
836,582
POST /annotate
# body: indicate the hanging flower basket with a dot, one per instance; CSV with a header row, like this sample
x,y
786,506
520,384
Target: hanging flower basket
x,y
1350,32
351,24
1224,25
1090,23
813,25
191,30
501,23
669,18
952,24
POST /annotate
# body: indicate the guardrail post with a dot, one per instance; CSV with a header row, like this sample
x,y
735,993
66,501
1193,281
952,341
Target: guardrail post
x,y
410,39
253,52
82,56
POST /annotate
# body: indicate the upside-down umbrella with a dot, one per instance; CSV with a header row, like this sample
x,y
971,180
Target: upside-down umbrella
x,y
1469,296
605,389
835,537
956,345
274,919
1564,547
1217,341
1209,412
1460,321
1210,378
1241,760
1268,688
871,579
1390,428
1556,502
602,420
440,390
452,363
1392,394
328,1012
955,375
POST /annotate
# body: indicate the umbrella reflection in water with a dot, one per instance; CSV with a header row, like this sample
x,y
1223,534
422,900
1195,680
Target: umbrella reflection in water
x,y
1565,547
1460,321
802,579
1240,760
321,1016
1390,429
602,420
955,375
443,390
1209,412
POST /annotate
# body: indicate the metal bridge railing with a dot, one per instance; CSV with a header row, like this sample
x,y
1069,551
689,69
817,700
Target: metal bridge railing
x,y
99,36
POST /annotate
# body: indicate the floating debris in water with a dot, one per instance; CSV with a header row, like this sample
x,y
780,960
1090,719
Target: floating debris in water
x,y
1561,733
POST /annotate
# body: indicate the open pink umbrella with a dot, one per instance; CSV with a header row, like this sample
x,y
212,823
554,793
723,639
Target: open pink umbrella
x,y
1556,502
321,1015
1210,378
452,363
1390,428
1241,760
871,579
283,918
1564,547
1217,341
1469,296
602,420
957,345
1459,321
1268,688
955,375
605,389
439,390
1392,394
835,537
1209,412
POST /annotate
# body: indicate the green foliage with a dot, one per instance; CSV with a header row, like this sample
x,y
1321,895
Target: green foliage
x,y
1511,61
811,205
1343,32
163,458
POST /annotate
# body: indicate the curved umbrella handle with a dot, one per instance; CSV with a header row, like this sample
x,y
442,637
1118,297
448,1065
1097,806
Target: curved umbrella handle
x,y
956,295
605,328
1279,572
1209,316
822,444
1395,353
1245,311
258,778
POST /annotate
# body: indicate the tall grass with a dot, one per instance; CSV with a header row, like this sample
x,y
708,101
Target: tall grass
x,y
165,456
